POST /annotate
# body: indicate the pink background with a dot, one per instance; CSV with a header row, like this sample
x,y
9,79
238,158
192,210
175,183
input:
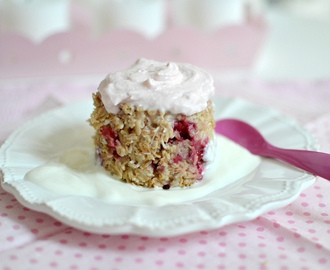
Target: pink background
x,y
77,52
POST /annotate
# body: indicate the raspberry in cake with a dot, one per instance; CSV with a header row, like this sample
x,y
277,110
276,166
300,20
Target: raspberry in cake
x,y
154,123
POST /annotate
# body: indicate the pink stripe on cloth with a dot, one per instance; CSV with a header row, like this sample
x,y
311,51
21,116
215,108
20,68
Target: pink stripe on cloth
x,y
25,100
302,100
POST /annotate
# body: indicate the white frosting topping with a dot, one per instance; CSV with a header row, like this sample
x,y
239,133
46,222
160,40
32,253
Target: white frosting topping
x,y
172,87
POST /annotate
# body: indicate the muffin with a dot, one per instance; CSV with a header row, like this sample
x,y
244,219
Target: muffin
x,y
154,124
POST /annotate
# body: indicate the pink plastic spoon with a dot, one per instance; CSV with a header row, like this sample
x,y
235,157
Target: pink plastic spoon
x,y
247,136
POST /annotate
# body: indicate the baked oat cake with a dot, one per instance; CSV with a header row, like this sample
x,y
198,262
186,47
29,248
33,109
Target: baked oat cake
x,y
154,124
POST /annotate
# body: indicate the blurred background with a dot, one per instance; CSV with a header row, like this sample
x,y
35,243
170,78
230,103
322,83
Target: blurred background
x,y
271,52
269,39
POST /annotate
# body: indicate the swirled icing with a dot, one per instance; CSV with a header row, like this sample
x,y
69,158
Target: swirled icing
x,y
172,87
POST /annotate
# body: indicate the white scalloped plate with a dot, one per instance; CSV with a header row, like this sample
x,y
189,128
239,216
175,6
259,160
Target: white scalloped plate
x,y
270,186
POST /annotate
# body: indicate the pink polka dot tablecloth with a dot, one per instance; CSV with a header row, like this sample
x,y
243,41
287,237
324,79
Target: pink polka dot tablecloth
x,y
296,236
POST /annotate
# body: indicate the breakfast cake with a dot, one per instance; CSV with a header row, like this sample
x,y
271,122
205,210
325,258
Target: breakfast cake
x,y
154,124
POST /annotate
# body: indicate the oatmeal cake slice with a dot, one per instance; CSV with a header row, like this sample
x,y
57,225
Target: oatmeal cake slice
x,y
154,123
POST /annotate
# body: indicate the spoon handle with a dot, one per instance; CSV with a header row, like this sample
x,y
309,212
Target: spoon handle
x,y
314,162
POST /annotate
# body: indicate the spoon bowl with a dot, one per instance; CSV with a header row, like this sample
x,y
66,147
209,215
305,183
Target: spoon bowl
x,y
250,138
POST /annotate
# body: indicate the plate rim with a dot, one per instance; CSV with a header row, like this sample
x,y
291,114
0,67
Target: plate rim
x,y
131,226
